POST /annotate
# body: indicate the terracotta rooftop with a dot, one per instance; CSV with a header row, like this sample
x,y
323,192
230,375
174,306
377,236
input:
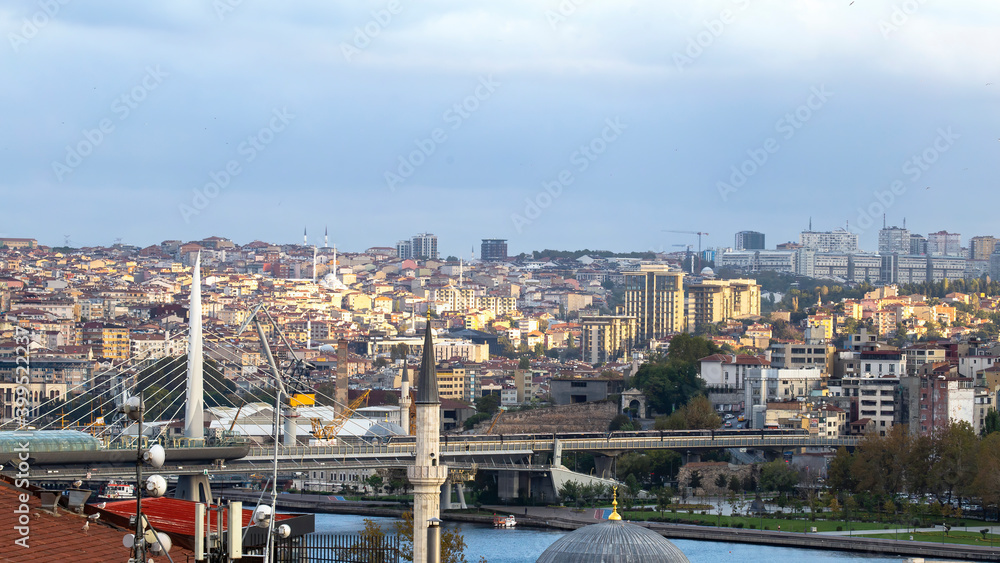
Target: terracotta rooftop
x,y
60,536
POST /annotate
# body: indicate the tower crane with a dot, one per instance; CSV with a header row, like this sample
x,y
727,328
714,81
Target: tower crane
x,y
699,233
329,432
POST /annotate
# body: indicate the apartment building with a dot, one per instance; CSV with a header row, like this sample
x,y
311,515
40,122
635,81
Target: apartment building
x,y
655,297
873,397
607,338
713,301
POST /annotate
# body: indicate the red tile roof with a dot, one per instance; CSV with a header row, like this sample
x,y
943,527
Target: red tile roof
x,y
59,537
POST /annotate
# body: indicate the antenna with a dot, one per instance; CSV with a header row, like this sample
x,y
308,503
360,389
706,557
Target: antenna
x,y
883,220
810,224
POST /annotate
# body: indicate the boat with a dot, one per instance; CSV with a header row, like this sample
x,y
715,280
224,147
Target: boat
x,y
504,521
115,490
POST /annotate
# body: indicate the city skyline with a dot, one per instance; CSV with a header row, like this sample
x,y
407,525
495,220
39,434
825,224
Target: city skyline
x,y
523,121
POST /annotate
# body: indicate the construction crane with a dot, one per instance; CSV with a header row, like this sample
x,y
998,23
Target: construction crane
x,y
493,424
699,233
329,432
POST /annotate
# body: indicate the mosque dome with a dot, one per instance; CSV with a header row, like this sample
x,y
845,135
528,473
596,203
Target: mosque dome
x,y
612,541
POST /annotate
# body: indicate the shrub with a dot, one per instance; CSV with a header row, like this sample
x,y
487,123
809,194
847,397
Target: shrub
x,y
752,526
767,527
840,528
740,525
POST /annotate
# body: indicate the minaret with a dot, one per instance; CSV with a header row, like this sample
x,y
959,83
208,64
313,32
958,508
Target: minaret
x,y
404,399
305,238
194,408
334,260
314,264
326,237
426,474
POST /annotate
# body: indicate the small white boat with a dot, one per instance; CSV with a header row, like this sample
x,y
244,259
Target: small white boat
x,y
114,490
504,521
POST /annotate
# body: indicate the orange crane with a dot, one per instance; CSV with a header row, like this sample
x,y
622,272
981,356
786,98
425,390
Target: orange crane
x,y
329,432
493,424
699,233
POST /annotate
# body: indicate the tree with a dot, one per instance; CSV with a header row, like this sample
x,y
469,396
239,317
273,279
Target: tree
x,y
488,404
620,422
992,422
688,348
721,481
694,480
524,362
371,547
375,481
698,414
668,385
734,484
778,476
452,541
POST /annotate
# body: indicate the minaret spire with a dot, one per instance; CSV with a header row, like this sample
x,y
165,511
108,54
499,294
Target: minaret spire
x,y
427,474
326,237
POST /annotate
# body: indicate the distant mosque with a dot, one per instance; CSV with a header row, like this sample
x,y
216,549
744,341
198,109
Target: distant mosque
x,y
613,541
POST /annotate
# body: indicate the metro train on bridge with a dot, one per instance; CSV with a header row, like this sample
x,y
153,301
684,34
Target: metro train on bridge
x,y
648,434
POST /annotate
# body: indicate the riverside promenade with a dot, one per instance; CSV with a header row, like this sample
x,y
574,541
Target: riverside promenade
x,y
568,519
564,518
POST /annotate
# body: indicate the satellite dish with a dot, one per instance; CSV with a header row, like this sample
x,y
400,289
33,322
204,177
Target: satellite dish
x,y
128,541
262,516
164,544
155,456
156,486
284,531
327,349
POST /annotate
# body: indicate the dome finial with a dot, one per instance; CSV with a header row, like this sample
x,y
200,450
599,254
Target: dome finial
x,y
614,505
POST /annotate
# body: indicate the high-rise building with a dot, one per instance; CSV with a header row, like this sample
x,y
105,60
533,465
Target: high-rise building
x,y
943,243
607,338
425,245
840,240
918,245
713,301
981,247
894,240
749,240
655,296
404,249
493,249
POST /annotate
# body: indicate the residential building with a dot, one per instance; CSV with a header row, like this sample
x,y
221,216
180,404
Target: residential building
x,y
404,249
607,338
760,260
894,240
930,402
981,247
425,245
749,240
873,397
729,371
493,250
840,240
713,301
794,354
655,297
583,390
918,245
923,353
943,243
110,341
765,385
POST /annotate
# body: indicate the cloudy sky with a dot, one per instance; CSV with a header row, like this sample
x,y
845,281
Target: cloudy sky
x,y
553,124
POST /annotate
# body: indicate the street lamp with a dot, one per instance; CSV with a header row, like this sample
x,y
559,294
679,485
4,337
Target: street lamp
x,y
145,535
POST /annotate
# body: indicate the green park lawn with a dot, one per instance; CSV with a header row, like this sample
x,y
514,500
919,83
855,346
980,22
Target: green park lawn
x,y
787,524
959,537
